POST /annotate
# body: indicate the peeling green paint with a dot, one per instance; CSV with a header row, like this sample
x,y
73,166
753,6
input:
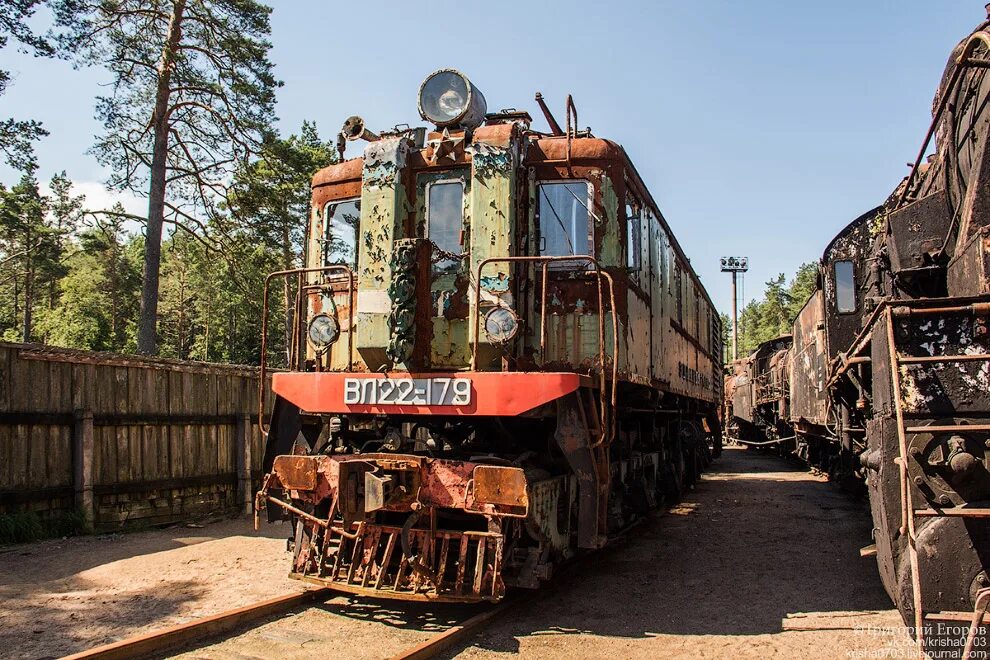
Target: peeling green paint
x,y
383,214
610,229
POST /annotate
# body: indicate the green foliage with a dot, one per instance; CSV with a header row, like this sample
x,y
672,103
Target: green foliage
x,y
84,267
211,290
16,137
29,255
762,320
99,293
26,526
35,236
269,197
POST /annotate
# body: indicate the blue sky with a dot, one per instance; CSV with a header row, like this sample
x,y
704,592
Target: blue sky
x,y
762,128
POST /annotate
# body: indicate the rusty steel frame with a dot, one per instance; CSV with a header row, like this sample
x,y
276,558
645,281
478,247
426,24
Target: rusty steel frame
x,y
962,512
571,109
973,309
979,609
907,506
296,335
949,428
962,63
555,129
908,512
962,357
600,274
899,310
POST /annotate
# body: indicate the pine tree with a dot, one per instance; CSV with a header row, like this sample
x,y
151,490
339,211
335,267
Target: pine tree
x,y
16,137
766,319
99,293
29,252
66,212
270,198
193,93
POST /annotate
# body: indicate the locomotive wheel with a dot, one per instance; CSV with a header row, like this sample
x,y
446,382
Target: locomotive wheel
x,y
672,482
694,451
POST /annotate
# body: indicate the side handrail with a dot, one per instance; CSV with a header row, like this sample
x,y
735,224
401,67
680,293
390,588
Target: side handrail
x,y
600,276
295,340
962,62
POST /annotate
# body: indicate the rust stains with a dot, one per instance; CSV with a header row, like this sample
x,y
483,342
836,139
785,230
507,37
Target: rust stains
x,y
582,149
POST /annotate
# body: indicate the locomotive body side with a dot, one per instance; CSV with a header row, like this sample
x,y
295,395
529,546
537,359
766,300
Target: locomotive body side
x,y
516,325
904,307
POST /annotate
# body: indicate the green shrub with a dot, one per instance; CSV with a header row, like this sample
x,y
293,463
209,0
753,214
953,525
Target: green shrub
x,y
25,526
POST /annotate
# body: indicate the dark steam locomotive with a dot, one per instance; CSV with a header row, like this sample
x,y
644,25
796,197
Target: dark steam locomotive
x,y
888,377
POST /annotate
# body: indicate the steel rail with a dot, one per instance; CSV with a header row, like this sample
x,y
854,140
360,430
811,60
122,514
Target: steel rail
x,y
457,633
186,634
566,574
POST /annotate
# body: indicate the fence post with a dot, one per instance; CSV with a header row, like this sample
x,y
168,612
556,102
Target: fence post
x,y
82,463
244,491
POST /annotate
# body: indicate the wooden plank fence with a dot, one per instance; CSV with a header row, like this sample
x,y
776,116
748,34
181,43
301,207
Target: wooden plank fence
x,y
126,439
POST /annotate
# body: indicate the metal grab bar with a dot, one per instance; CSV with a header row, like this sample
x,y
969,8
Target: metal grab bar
x,y
962,62
295,340
600,275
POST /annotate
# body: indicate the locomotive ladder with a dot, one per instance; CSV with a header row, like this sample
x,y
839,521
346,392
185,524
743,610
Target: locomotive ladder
x,y
909,514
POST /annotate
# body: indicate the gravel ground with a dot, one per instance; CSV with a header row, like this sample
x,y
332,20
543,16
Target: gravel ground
x,y
63,596
761,560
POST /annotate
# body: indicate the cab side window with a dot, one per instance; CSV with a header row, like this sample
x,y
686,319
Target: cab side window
x,y
634,234
562,218
445,219
845,287
341,220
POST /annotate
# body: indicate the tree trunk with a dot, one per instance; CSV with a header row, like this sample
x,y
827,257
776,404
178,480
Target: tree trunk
x,y
28,303
111,274
28,292
147,339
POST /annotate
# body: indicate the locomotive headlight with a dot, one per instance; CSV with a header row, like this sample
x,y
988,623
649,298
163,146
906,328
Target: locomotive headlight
x,y
447,98
501,325
323,330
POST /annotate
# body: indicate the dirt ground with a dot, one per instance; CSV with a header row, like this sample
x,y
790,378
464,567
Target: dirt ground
x,y
761,560
63,596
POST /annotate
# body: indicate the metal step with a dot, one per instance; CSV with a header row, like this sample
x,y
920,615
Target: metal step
x,y
961,512
927,359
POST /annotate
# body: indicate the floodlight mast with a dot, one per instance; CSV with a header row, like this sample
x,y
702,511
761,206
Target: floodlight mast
x,y
735,265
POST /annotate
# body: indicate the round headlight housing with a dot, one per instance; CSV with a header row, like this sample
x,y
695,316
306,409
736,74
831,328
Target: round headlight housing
x,y
323,330
501,325
448,98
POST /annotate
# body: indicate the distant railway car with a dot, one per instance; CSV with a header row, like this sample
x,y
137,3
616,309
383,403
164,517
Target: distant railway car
x,y
502,358
890,367
760,401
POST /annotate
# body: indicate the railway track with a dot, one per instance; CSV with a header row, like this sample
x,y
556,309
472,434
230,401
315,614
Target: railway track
x,y
214,628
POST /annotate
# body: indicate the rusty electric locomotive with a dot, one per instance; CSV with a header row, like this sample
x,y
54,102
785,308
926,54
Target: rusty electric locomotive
x,y
503,357
889,365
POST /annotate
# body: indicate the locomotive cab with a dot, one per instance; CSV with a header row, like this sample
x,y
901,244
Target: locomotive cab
x,y
478,304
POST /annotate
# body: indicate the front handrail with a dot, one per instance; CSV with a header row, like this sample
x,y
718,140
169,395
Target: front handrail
x,y
294,357
600,275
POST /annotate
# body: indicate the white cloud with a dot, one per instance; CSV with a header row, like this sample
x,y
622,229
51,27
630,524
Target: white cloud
x,y
98,197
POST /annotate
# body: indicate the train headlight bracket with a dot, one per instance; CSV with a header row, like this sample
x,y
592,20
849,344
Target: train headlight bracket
x,y
322,332
501,325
